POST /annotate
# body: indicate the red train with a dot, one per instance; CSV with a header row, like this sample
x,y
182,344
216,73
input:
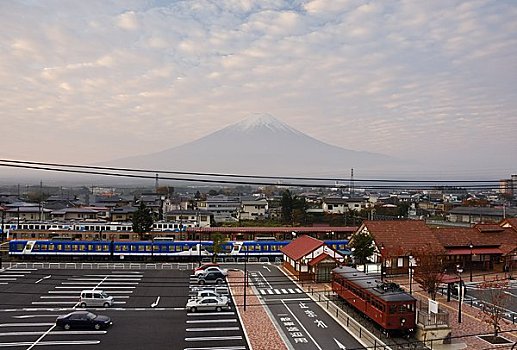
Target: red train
x,y
386,304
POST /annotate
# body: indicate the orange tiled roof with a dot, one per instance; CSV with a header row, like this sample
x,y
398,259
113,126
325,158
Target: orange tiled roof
x,y
401,237
301,246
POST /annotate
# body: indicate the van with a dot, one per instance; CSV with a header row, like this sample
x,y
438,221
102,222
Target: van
x,y
95,298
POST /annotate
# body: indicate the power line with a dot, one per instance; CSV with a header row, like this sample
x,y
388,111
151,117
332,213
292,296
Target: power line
x,y
384,183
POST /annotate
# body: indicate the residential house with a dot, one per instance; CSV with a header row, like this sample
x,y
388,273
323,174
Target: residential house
x,y
253,209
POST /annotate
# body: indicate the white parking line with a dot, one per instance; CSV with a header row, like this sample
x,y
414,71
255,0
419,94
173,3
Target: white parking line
x,y
107,287
103,284
212,329
42,336
58,342
43,278
235,337
26,324
210,313
77,292
10,334
74,296
34,316
111,279
230,320
219,348
65,302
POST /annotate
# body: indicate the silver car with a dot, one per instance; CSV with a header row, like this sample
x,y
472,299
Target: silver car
x,y
208,303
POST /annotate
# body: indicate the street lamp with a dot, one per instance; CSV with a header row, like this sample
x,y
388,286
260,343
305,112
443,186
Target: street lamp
x,y
471,246
410,274
459,269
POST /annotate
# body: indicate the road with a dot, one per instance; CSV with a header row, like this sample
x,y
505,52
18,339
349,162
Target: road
x,y
303,322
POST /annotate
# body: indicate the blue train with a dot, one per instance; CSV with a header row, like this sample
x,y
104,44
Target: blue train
x,y
159,248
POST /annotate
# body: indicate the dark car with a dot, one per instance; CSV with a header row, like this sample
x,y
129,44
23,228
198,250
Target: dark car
x,y
211,277
83,319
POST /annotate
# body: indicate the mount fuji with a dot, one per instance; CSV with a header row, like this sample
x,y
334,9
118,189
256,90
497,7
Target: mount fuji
x,y
259,145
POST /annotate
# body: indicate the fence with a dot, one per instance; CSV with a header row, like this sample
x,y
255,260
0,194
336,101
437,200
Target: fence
x,y
100,266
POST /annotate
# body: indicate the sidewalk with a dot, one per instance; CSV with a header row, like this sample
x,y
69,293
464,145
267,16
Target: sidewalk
x,y
261,331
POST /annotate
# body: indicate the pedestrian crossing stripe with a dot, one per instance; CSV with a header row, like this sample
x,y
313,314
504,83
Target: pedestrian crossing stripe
x,y
280,291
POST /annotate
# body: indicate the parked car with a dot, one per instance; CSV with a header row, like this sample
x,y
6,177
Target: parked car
x,y
210,293
221,290
211,277
208,303
84,320
204,266
210,269
96,297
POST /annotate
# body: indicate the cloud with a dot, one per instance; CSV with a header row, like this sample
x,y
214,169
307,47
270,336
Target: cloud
x,y
128,21
403,77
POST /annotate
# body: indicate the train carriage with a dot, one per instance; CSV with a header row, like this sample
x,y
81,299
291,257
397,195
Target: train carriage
x,y
386,304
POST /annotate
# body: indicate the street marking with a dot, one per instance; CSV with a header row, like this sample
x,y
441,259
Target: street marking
x,y
58,342
339,345
301,325
214,329
285,291
277,291
77,292
155,304
42,336
219,348
107,287
34,316
210,313
235,337
267,268
25,324
9,334
231,320
57,302
43,278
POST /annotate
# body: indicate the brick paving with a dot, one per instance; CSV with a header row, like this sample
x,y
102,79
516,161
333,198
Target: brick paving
x,y
260,329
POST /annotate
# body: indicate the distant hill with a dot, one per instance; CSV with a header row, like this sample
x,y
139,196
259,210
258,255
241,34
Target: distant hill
x,y
260,145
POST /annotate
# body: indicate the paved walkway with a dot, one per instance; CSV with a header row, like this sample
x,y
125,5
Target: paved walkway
x,y
258,326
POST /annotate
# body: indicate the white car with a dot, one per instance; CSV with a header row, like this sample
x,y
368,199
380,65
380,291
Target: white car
x,y
208,303
211,269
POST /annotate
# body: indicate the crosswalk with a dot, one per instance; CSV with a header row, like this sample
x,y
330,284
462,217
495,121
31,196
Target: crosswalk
x,y
278,291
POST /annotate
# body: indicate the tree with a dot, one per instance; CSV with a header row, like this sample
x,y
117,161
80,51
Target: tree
x,y
430,268
362,246
287,207
142,220
497,297
218,241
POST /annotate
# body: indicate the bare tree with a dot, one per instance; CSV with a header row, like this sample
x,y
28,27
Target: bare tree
x,y
497,297
430,268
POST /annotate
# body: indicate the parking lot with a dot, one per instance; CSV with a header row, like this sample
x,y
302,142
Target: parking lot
x,y
148,311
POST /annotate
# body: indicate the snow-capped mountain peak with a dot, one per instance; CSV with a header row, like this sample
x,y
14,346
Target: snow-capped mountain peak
x,y
261,121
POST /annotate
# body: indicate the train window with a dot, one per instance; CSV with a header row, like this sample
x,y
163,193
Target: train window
x,y
117,248
90,247
82,247
98,248
258,247
141,248
75,247
123,236
68,247
133,248
156,248
185,248
20,246
393,309
105,247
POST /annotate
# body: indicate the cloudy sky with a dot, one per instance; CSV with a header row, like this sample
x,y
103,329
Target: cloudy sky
x,y
89,81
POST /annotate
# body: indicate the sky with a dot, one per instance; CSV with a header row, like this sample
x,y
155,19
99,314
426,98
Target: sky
x,y
91,81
